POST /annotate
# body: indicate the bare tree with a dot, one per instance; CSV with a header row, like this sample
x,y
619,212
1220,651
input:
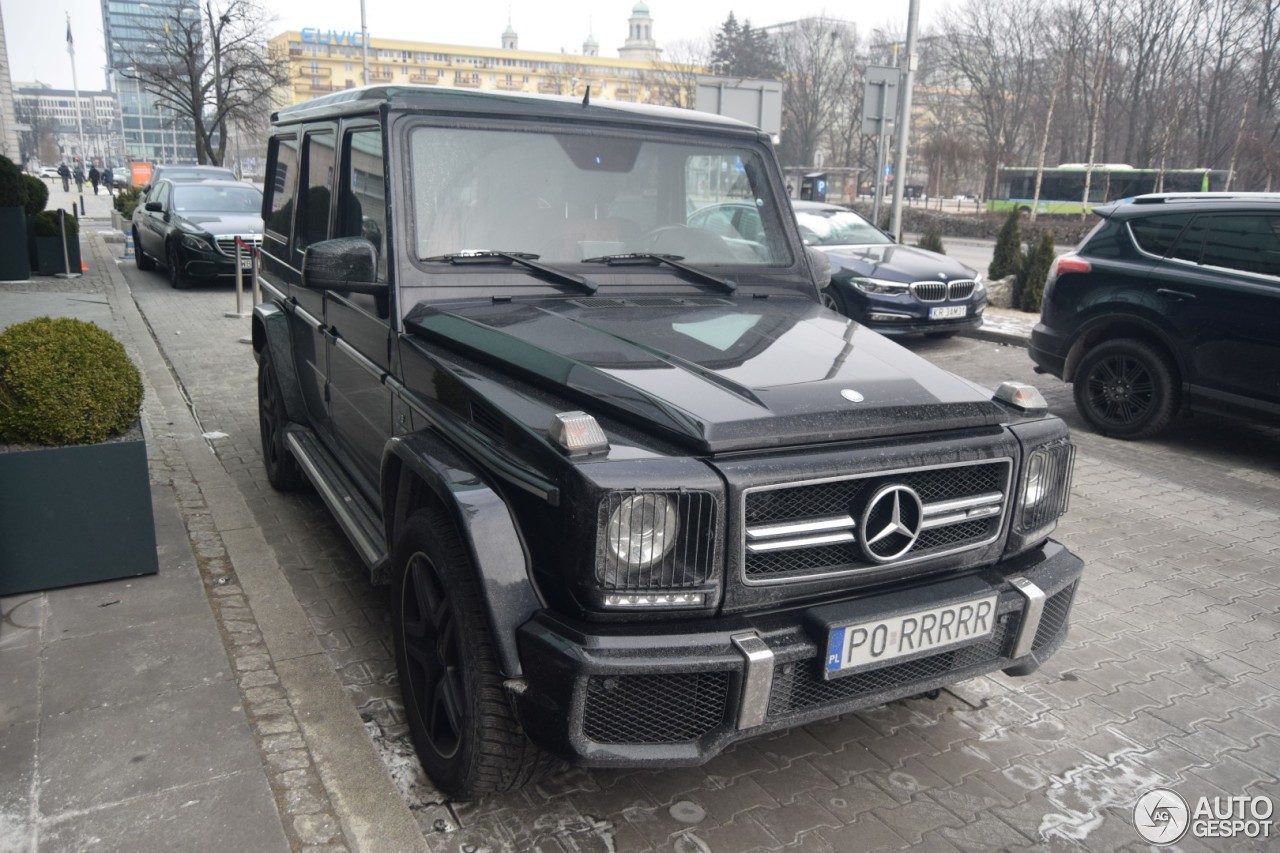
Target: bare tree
x,y
819,64
675,77
213,67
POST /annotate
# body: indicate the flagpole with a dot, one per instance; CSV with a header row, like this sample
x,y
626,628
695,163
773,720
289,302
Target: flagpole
x,y
75,85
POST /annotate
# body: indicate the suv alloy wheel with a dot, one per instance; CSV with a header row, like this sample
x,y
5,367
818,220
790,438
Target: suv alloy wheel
x,y
1126,388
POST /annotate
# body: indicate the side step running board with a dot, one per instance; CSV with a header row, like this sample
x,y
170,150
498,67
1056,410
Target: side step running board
x,y
358,519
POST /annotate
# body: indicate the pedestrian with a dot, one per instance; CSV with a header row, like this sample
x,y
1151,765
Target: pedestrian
x,y
65,174
110,180
78,174
95,178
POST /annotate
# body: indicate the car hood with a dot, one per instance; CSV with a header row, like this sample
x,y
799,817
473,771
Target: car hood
x,y
714,374
894,262
219,224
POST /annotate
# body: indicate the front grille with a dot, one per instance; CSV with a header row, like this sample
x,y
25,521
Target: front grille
x,y
937,291
813,529
800,686
674,708
227,245
1054,616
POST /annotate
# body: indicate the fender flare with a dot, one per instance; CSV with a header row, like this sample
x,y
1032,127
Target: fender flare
x,y
1147,327
484,522
270,337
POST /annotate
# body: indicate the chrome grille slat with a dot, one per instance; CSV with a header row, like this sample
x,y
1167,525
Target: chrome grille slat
x,y
795,531
940,291
227,245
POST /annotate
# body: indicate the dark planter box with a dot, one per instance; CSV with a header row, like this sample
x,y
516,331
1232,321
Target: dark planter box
x,y
73,515
14,266
48,257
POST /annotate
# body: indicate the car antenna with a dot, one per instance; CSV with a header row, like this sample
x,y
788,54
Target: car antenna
x,y
586,99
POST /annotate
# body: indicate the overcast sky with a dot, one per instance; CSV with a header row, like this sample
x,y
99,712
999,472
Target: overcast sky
x,y
36,34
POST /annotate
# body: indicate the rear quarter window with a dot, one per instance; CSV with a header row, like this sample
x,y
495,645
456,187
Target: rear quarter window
x,y
1106,240
1156,235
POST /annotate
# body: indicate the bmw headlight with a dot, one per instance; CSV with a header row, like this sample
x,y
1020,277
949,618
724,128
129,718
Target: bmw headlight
x,y
642,530
879,285
979,286
191,241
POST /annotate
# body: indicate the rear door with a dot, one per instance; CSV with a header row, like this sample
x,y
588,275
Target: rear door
x,y
1221,281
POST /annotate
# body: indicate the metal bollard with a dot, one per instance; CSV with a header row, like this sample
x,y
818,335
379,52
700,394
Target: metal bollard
x,y
239,312
66,256
253,274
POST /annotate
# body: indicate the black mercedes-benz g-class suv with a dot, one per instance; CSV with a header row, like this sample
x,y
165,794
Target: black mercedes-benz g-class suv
x,y
637,493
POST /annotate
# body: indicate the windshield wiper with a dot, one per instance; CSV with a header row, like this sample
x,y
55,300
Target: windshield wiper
x,y
636,258
528,260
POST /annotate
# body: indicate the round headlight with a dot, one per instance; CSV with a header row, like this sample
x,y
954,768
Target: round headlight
x,y
642,530
1037,482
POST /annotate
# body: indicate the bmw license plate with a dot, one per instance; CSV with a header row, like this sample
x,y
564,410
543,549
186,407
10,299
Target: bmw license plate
x,y
871,644
948,312
246,261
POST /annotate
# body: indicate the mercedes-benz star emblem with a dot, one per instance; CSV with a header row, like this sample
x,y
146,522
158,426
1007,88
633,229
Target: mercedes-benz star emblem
x,y
890,523
852,396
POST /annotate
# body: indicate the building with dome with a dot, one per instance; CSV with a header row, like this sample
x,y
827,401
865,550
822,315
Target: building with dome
x,y
324,60
640,43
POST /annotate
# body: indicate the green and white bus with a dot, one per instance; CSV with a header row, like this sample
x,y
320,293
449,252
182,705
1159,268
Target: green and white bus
x,y
1062,189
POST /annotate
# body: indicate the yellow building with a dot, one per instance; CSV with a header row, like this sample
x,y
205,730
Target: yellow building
x,y
325,60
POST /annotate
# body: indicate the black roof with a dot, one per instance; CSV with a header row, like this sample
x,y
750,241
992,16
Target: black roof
x,y
1154,203
448,101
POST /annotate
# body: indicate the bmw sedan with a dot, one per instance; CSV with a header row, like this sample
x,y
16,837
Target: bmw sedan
x,y
894,289
191,228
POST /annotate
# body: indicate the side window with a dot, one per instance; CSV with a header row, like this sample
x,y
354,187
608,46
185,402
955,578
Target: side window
x,y
1190,245
1247,242
317,191
362,209
161,195
281,185
1156,235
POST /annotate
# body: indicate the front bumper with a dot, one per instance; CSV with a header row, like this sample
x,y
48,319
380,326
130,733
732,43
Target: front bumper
x,y
903,314
629,695
199,264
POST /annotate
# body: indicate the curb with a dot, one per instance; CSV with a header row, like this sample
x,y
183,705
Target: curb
x,y
998,336
371,810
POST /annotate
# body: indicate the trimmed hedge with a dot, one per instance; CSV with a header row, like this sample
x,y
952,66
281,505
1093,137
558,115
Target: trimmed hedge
x,y
65,381
13,189
37,194
46,224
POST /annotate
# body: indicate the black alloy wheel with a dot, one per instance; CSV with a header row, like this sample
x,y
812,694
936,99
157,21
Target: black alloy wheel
x,y
140,258
174,259
1126,388
460,716
283,472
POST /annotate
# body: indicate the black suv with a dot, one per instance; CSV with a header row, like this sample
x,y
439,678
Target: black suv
x,y
637,493
1171,302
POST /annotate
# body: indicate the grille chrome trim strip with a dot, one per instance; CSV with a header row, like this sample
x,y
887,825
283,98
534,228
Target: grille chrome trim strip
x,y
835,522
940,507
741,510
960,517
805,541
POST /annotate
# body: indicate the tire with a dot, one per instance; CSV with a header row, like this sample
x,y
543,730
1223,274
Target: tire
x,y
283,471
463,726
140,257
176,279
833,299
1126,388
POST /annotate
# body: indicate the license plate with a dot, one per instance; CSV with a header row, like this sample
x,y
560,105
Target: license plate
x,y
948,312
874,643
246,262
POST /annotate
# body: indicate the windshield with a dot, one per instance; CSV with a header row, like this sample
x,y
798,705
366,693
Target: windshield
x,y
568,196
837,228
203,198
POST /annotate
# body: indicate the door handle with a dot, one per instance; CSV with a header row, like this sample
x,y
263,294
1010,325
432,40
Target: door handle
x,y
1175,294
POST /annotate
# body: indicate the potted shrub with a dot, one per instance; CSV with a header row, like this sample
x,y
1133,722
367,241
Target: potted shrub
x,y
14,266
37,198
48,243
75,498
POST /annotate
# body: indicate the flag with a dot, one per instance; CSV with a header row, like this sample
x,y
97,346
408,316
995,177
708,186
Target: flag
x,y
71,43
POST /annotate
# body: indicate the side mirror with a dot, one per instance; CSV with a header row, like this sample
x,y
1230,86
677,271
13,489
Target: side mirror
x,y
346,264
820,264
155,207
